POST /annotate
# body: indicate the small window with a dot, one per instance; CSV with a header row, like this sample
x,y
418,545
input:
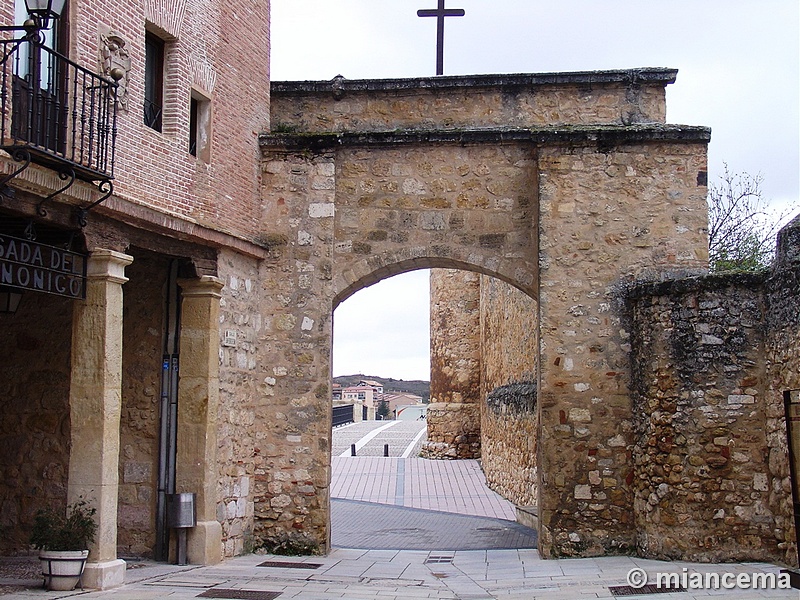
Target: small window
x,y
153,81
193,126
199,126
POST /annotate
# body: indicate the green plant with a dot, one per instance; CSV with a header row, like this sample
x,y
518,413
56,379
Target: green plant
x,y
72,530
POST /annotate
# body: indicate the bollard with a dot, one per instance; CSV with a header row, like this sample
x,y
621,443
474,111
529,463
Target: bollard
x,y
352,449
386,449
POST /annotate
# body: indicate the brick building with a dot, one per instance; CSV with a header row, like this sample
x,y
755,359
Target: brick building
x,y
164,206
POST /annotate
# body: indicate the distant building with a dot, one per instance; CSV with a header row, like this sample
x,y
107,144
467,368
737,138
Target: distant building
x,y
359,393
375,385
397,400
411,412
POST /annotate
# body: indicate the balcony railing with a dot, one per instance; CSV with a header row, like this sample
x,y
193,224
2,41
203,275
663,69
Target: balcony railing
x,y
63,115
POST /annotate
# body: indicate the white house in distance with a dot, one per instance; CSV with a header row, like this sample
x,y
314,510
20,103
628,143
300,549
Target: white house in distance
x,y
404,406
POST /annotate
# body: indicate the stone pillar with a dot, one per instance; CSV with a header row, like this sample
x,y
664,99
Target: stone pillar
x,y
454,417
95,400
198,401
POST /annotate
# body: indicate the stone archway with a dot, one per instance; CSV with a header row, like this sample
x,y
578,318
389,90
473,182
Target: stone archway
x,y
566,187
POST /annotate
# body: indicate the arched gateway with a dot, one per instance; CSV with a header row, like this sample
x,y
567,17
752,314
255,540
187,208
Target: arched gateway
x,y
566,186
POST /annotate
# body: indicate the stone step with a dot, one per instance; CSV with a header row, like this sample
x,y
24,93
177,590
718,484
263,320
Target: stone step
x,y
528,516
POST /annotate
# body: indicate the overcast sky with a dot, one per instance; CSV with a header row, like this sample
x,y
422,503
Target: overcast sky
x,y
739,73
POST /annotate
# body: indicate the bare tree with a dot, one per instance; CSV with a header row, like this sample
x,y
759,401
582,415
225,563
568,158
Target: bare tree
x,y
741,226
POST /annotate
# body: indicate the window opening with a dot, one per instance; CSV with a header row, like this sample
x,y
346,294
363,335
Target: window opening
x,y
193,108
200,126
153,81
39,86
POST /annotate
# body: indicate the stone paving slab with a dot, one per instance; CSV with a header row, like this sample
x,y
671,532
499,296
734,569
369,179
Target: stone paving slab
x,y
408,575
457,486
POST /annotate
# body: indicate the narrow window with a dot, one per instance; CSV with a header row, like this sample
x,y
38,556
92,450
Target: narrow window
x,y
200,126
153,81
193,108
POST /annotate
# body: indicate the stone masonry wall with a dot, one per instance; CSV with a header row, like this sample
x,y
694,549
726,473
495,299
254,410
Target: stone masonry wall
x,y
615,98
701,475
782,375
570,213
242,385
454,412
607,216
293,409
714,357
34,414
143,333
509,328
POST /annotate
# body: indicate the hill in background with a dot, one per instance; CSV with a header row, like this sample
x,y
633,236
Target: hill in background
x,y
416,387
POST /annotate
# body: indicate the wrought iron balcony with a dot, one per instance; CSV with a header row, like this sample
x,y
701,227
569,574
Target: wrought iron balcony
x,y
56,113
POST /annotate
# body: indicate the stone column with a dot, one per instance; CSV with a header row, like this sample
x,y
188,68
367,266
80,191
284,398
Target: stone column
x,y
454,417
198,401
95,401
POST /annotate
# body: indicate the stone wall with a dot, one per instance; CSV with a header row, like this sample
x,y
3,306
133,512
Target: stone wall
x,y
607,217
453,415
142,352
701,476
713,357
34,414
566,214
782,375
243,387
509,328
529,100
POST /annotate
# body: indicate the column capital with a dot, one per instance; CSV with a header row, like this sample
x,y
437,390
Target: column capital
x,y
206,285
108,264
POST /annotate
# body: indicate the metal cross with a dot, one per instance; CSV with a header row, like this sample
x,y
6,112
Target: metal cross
x,y
440,13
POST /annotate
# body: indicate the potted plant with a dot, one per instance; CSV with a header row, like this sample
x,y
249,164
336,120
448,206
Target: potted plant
x,y
63,540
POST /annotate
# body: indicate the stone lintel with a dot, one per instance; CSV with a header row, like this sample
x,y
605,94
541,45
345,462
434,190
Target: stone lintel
x,y
647,75
603,136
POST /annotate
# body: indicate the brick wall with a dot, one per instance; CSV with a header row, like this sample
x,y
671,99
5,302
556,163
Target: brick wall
x,y
209,49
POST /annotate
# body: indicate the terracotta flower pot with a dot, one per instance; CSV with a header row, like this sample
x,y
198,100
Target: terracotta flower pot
x,y
62,569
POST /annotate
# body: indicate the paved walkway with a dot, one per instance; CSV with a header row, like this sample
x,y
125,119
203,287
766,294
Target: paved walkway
x,y
457,486
408,575
438,572
378,526
403,437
